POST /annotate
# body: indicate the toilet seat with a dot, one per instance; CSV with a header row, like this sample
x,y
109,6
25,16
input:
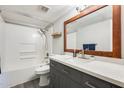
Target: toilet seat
x,y
43,69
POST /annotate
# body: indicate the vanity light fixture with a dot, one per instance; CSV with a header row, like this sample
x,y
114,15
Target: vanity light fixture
x,y
80,8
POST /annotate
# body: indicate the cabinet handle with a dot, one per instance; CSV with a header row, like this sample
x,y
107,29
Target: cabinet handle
x,y
89,85
65,71
52,65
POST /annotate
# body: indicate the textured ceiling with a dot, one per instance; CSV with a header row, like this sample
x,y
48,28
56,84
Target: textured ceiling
x,y
32,15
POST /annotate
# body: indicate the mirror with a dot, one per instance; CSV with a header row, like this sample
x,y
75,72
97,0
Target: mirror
x,y
88,32
93,31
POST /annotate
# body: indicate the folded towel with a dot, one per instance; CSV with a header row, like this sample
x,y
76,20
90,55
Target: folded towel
x,y
89,46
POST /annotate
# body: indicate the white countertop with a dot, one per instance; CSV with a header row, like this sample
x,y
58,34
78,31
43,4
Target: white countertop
x,y
111,72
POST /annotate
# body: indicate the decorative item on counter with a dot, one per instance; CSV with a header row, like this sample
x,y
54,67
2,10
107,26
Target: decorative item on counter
x,y
81,54
56,34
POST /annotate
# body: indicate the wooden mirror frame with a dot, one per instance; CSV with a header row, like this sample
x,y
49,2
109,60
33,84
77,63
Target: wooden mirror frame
x,y
116,52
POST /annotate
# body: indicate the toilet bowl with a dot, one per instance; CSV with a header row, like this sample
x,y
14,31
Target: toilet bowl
x,y
43,72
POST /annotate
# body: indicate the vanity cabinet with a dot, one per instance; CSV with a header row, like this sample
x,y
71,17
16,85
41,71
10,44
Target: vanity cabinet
x,y
62,76
60,80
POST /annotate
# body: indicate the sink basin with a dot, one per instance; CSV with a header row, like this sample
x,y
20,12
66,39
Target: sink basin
x,y
63,56
79,60
70,59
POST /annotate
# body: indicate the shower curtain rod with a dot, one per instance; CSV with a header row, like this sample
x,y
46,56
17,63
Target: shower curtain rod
x,y
23,25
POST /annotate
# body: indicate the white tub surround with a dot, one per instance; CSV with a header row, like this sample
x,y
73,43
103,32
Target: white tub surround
x,y
12,78
108,71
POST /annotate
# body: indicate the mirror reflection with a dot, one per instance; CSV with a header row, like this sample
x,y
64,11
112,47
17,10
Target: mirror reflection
x,y
91,32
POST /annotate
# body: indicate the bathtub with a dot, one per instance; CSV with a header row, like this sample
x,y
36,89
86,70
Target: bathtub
x,y
12,78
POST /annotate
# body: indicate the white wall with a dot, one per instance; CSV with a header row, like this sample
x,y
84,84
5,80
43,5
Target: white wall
x,y
1,39
22,47
58,44
50,40
14,41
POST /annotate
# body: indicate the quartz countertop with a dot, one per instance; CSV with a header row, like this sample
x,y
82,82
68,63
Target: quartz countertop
x,y
108,71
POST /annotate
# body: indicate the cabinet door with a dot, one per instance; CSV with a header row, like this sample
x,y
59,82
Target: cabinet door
x,y
93,82
66,82
54,78
60,80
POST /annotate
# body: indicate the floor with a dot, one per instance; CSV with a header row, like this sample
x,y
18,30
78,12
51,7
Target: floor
x,y
30,84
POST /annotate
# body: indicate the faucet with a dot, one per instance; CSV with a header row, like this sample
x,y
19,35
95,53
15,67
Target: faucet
x,y
74,53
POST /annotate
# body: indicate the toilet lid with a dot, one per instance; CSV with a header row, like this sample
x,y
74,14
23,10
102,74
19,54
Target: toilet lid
x,y
43,68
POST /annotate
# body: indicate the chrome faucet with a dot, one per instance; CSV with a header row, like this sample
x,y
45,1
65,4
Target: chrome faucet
x,y
74,53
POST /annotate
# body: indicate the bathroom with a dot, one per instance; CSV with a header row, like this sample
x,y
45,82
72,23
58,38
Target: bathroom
x,y
41,46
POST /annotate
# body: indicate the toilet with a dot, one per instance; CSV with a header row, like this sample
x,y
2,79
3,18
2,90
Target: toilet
x,y
43,72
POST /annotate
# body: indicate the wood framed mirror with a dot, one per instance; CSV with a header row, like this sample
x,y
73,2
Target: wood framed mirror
x,y
96,30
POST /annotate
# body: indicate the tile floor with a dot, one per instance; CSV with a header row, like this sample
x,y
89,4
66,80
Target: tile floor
x,y
29,84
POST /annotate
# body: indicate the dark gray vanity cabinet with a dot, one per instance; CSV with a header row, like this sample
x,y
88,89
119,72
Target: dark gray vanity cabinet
x,y
62,76
60,80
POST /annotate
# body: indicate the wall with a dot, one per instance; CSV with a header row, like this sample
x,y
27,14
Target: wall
x,y
22,51
122,30
22,47
58,46
1,39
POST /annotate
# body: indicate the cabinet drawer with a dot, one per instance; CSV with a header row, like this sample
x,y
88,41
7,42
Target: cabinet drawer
x,y
93,82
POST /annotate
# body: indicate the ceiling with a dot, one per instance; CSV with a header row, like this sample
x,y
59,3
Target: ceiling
x,y
33,15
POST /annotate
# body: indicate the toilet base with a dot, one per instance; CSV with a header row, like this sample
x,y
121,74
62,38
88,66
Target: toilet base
x,y
44,80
